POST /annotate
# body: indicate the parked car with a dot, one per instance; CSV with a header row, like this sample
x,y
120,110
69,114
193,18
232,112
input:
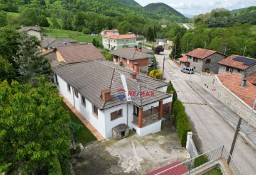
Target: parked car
x,y
159,49
187,70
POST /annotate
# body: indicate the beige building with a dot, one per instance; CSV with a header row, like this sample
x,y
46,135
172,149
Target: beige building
x,y
32,31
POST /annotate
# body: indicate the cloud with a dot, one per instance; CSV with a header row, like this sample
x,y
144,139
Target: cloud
x,y
202,6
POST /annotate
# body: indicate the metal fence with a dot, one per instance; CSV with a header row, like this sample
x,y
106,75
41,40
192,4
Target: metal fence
x,y
203,161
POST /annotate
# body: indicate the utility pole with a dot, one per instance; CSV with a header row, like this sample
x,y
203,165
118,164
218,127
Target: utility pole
x,y
234,140
163,66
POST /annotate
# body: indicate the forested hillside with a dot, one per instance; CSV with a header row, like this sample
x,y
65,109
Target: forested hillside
x,y
86,15
165,12
220,30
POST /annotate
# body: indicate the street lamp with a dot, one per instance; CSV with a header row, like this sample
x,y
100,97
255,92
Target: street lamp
x,y
251,116
163,65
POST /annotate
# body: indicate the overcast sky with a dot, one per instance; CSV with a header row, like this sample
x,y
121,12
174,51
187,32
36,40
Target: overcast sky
x,y
195,7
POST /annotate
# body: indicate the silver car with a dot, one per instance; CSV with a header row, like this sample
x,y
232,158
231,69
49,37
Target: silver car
x,y
187,70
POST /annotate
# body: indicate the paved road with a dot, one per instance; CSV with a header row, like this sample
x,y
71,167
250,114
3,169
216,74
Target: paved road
x,y
210,128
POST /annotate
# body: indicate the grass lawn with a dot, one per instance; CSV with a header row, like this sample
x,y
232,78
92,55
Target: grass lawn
x,y
84,136
215,171
253,29
75,35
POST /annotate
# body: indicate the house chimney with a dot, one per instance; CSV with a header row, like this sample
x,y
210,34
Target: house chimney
x,y
135,47
133,75
244,80
136,67
105,94
140,49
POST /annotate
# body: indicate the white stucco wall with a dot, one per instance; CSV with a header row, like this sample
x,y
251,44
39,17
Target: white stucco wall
x,y
152,128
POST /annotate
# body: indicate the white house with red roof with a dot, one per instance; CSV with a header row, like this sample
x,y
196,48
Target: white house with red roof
x,y
116,41
204,60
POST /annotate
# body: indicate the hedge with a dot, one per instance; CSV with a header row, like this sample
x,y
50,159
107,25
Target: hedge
x,y
200,160
170,89
181,122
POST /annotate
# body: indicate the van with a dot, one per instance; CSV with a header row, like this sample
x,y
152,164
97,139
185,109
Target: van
x,y
187,70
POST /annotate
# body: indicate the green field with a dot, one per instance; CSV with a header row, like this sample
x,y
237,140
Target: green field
x,y
79,36
84,136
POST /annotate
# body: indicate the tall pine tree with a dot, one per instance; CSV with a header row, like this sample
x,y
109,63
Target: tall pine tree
x,y
30,64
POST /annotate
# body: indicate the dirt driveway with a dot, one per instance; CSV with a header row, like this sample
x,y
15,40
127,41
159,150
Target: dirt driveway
x,y
131,155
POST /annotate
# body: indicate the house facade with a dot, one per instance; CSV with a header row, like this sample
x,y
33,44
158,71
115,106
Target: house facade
x,y
115,41
204,60
132,58
98,94
236,64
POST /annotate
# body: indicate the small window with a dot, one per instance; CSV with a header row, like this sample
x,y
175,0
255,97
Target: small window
x,y
95,110
68,87
208,61
76,93
195,60
83,101
116,114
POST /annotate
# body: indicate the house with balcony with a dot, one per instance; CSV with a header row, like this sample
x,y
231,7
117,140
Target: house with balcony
x,y
116,41
236,64
109,96
133,58
204,60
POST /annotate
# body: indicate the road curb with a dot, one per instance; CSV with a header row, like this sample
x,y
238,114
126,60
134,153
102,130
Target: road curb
x,y
241,133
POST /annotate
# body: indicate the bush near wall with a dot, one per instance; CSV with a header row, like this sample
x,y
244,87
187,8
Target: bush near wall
x,y
156,74
181,122
170,89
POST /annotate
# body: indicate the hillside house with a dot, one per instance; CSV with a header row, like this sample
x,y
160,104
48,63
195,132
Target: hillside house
x,y
105,32
52,43
115,42
184,60
204,60
73,54
97,90
32,31
132,58
236,64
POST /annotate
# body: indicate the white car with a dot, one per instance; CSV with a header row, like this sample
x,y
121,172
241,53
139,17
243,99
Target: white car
x,y
187,70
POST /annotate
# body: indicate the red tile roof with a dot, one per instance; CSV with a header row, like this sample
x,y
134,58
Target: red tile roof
x,y
175,168
116,36
252,78
232,82
200,53
229,61
80,53
184,58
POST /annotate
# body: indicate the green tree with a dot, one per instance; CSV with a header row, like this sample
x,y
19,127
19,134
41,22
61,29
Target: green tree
x,y
3,19
9,42
6,70
124,27
30,64
95,42
33,16
34,127
150,35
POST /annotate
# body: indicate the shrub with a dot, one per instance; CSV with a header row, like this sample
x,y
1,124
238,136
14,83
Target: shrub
x,y
200,160
86,30
170,89
156,74
181,121
107,55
